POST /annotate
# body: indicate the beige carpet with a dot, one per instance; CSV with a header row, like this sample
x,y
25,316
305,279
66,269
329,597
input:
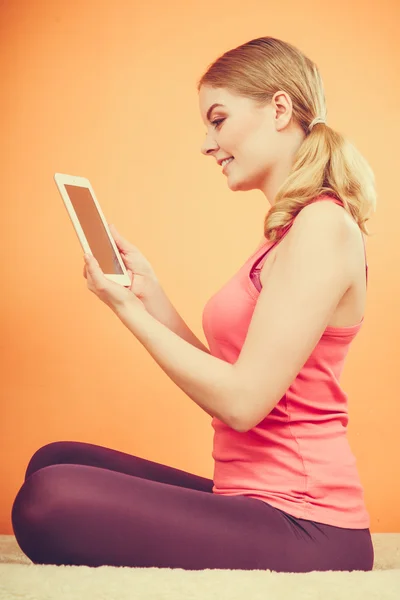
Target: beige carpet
x,y
20,579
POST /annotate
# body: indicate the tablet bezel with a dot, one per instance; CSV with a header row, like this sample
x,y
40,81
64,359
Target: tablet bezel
x,y
61,180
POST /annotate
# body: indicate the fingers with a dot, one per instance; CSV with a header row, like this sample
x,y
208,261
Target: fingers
x,y
122,243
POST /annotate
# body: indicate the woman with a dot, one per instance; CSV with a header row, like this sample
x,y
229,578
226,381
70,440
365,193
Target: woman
x,y
286,494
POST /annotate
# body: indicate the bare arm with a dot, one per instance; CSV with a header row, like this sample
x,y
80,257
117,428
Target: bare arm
x,y
161,308
209,381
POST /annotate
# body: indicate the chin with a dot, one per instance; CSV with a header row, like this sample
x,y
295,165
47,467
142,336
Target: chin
x,y
240,185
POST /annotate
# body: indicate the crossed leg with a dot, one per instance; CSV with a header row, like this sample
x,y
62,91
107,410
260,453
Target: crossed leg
x,y
83,504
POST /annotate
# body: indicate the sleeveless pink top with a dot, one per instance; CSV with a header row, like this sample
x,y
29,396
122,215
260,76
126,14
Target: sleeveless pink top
x,y
298,459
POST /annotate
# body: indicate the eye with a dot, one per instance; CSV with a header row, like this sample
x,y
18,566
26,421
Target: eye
x,y
217,122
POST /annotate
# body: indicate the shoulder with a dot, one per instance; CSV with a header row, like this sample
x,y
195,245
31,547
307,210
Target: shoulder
x,y
324,209
324,219
321,229
323,233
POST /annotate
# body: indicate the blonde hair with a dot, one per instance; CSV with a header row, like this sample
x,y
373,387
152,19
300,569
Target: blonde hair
x,y
326,163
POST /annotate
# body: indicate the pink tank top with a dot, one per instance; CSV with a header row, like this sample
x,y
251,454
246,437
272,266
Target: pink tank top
x,y
298,459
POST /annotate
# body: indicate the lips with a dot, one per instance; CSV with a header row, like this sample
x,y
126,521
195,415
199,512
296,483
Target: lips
x,y
222,160
227,165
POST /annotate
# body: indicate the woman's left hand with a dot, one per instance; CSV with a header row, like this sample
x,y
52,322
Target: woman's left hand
x,y
116,296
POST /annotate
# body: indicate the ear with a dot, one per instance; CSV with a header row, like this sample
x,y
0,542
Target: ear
x,y
283,109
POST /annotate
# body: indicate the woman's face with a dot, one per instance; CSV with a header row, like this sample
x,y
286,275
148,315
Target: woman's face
x,y
258,138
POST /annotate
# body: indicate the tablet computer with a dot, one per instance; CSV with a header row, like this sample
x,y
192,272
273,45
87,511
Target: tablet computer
x,y
90,226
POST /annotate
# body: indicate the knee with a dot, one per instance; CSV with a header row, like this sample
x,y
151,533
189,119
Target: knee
x,y
40,501
36,498
50,454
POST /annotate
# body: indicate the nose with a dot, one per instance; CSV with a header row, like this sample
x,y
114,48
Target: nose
x,y
209,146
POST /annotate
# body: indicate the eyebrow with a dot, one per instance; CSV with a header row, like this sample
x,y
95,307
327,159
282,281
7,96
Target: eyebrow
x,y
211,109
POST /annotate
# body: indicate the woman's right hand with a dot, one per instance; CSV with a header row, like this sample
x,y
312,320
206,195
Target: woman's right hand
x,y
143,278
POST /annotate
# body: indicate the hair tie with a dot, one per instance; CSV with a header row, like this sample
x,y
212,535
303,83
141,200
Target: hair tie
x,y
315,121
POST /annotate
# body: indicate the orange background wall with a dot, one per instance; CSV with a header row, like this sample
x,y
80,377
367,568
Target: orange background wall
x,y
107,90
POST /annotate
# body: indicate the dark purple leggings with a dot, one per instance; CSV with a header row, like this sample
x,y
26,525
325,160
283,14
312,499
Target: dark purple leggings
x,y
83,504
